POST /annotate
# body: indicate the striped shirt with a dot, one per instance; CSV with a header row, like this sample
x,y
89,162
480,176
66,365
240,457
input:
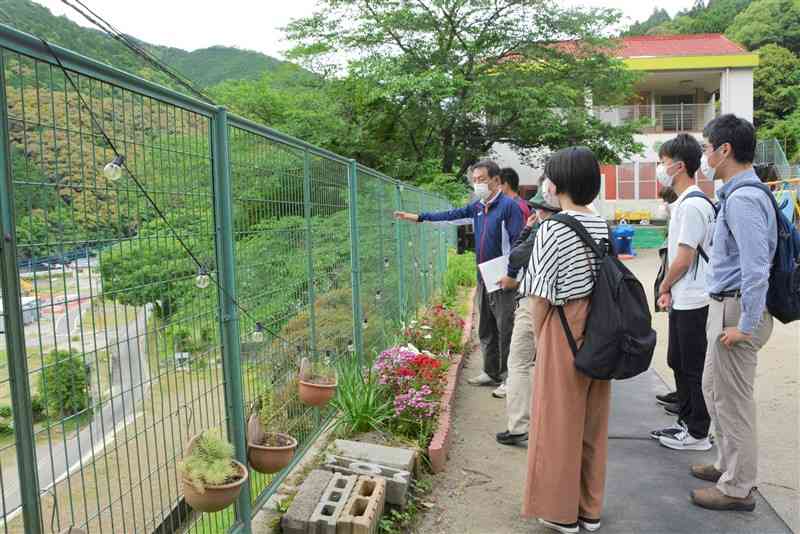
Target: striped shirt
x,y
562,267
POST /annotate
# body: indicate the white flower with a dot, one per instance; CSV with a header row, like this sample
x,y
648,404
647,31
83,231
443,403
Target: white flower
x,y
426,327
429,336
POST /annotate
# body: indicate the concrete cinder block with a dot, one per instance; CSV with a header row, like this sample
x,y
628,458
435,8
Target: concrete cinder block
x,y
394,457
331,504
296,519
365,507
397,480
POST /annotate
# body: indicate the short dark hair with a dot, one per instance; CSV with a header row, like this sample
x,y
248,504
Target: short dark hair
x,y
668,195
767,172
683,148
576,172
740,133
509,176
492,168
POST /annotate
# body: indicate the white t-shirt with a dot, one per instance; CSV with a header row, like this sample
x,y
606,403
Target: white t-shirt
x,y
692,224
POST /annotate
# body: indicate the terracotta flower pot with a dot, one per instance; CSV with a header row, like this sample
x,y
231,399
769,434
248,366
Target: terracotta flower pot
x,y
264,458
215,498
313,394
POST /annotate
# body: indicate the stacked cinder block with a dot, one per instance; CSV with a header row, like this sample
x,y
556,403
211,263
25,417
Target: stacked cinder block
x,y
397,481
365,507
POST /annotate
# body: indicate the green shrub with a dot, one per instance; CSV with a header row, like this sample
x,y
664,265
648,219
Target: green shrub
x,y
6,428
361,402
38,408
461,269
5,411
64,383
209,463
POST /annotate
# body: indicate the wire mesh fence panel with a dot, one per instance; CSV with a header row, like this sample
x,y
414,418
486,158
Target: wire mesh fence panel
x,y
123,349
126,290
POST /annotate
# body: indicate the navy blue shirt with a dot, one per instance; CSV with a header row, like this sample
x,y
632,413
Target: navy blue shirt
x,y
497,225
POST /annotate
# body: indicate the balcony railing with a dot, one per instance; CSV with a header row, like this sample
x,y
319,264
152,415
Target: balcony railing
x,y
660,118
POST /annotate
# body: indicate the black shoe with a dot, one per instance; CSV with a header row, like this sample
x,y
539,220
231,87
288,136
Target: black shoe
x,y
506,438
672,408
669,398
564,528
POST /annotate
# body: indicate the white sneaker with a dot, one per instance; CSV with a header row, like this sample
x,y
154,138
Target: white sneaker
x,y
683,441
564,529
483,380
500,392
670,432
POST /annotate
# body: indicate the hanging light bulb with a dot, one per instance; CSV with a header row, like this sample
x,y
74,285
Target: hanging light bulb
x,y
113,170
386,262
203,280
378,295
258,334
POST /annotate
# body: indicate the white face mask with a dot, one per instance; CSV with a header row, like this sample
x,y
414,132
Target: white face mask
x,y
549,193
706,167
482,191
663,177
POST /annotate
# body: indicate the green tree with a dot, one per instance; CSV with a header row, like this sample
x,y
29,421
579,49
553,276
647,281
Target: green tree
x,y
64,383
768,22
659,17
446,81
715,17
776,82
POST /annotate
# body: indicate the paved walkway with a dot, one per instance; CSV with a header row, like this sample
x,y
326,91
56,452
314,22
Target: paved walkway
x,y
648,485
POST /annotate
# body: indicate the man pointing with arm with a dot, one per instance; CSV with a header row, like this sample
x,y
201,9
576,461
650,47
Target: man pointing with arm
x,y
497,221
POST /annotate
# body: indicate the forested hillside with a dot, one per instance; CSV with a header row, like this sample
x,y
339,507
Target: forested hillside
x,y
204,67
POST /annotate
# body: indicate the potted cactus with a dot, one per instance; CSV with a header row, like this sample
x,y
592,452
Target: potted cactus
x,y
269,452
211,478
316,382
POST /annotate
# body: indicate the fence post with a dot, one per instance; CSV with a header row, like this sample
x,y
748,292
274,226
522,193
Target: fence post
x,y
355,276
15,333
312,312
231,353
422,255
398,236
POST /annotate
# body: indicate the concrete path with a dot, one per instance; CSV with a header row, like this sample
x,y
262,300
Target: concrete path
x,y
648,485
647,488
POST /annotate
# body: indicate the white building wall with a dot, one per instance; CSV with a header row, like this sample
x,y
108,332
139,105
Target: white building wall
x,y
505,156
736,93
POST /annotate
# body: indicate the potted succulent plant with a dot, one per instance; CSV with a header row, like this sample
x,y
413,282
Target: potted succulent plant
x,y
211,478
269,452
316,382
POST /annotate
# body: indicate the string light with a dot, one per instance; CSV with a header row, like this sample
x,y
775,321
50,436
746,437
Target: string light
x,y
203,280
113,170
386,262
258,333
378,295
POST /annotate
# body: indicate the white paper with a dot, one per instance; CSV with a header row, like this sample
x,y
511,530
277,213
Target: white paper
x,y
492,271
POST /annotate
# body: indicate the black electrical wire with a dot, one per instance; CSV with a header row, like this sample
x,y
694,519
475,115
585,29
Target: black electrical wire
x,y
258,324
113,32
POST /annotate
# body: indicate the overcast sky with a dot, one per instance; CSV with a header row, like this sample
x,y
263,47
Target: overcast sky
x,y
254,25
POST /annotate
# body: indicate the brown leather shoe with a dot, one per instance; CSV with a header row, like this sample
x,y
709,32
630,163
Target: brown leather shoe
x,y
706,472
713,499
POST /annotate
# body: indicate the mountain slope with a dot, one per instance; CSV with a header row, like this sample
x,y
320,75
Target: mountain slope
x,y
204,67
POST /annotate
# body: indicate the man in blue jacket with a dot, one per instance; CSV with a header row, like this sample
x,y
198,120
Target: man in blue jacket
x,y
497,221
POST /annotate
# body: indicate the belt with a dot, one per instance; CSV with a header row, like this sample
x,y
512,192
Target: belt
x,y
722,295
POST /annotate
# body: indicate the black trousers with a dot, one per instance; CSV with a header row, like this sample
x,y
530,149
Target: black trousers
x,y
495,324
686,355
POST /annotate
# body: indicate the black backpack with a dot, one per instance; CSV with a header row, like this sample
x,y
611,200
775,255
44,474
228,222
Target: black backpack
x,y
618,341
783,294
662,252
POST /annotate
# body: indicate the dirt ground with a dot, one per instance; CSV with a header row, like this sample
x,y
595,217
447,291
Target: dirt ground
x,y
480,491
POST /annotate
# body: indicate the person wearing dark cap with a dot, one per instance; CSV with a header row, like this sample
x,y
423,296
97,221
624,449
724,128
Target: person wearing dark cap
x,y
522,353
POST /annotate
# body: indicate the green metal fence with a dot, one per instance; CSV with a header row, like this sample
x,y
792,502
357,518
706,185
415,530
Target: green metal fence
x,y
116,353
